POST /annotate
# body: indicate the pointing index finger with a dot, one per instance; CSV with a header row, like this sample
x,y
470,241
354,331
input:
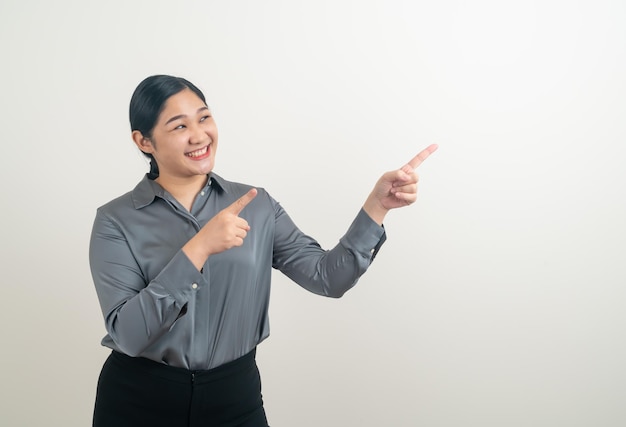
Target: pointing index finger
x,y
422,155
242,202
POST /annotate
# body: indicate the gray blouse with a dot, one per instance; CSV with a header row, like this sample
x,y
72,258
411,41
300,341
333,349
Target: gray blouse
x,y
157,305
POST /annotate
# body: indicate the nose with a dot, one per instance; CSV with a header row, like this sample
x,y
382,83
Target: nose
x,y
197,135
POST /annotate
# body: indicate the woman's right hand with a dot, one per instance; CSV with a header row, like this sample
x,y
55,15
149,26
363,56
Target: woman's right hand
x,y
224,231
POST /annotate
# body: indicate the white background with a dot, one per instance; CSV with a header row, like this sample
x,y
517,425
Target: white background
x,y
498,299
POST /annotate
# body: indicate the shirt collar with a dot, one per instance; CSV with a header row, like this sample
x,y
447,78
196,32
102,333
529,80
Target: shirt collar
x,y
147,190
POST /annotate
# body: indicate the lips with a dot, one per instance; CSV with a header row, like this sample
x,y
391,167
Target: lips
x,y
200,153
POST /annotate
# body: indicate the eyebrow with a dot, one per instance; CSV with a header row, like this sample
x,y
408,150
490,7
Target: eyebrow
x,y
182,116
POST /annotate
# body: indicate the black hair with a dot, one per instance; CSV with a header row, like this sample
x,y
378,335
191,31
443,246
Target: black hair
x,y
148,101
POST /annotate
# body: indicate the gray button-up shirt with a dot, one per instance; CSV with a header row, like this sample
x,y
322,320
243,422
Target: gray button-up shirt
x,y
157,305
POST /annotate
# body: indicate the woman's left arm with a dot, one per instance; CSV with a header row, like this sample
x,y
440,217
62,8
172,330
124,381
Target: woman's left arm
x,y
331,273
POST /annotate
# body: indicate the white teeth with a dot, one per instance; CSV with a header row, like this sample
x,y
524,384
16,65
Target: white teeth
x,y
198,152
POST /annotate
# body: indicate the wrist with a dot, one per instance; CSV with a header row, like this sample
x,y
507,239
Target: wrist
x,y
197,251
375,210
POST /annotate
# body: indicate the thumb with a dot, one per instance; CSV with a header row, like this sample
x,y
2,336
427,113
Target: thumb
x,y
242,202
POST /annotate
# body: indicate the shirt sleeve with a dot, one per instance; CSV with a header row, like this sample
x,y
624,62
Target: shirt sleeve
x,y
325,272
137,312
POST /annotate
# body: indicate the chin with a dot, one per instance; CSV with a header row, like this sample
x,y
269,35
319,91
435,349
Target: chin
x,y
204,170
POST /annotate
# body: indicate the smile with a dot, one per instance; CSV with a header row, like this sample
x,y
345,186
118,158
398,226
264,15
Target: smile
x,y
198,153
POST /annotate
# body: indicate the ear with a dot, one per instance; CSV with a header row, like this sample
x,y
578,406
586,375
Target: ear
x,y
143,143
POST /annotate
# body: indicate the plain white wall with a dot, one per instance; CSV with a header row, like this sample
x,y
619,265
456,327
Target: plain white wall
x,y
498,299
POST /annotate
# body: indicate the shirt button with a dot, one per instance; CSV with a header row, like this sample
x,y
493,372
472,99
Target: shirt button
x,y
194,286
210,181
202,193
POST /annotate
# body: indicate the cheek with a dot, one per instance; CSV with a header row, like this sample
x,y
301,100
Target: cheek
x,y
211,129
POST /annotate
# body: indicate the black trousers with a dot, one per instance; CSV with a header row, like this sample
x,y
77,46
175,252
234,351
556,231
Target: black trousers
x,y
134,391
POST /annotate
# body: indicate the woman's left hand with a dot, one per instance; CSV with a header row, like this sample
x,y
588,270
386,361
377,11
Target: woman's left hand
x,y
396,188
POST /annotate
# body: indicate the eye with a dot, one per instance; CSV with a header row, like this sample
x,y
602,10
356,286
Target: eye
x,y
179,127
205,117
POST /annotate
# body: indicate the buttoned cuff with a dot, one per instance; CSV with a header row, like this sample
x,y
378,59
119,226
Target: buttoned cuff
x,y
181,278
364,236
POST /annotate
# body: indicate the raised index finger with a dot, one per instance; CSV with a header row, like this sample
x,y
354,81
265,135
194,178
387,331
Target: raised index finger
x,y
422,155
242,202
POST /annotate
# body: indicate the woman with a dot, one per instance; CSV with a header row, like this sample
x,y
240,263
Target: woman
x,y
182,268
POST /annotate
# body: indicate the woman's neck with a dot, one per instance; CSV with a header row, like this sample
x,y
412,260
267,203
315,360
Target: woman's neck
x,y
184,190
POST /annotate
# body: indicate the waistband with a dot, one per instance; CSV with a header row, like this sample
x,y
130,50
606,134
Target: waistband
x,y
183,375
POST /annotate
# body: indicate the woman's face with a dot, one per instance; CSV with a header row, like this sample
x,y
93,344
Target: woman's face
x,y
184,139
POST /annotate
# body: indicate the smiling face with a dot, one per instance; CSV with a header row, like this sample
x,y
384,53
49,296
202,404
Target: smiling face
x,y
184,138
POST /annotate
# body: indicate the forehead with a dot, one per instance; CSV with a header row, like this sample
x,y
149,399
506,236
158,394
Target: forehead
x,y
185,102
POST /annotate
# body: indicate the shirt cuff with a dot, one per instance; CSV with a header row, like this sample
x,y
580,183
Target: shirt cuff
x,y
181,278
364,236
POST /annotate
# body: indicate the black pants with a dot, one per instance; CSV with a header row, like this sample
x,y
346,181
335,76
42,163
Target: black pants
x,y
139,392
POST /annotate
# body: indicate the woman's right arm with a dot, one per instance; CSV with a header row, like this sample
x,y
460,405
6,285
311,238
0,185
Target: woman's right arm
x,y
137,312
